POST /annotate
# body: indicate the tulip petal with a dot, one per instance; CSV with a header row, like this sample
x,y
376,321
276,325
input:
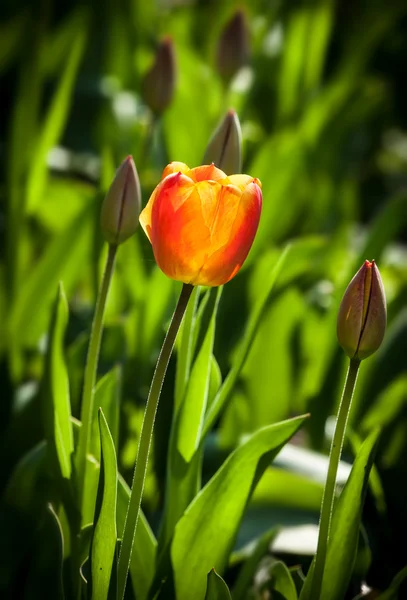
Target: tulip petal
x,y
375,325
242,181
180,234
350,315
238,236
207,173
175,167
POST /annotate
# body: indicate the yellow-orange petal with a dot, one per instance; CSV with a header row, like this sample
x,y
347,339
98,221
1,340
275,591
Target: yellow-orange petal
x,y
207,173
242,181
179,234
175,167
221,266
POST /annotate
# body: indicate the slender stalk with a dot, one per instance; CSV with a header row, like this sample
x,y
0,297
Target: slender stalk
x,y
133,510
90,371
329,491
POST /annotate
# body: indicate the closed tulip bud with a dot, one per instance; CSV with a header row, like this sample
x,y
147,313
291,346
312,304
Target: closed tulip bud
x,y
159,82
362,314
201,223
225,146
121,206
233,46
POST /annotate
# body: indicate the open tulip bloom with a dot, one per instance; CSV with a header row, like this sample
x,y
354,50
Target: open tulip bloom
x,y
201,223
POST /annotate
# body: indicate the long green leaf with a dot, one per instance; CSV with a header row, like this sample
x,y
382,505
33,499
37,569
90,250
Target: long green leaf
x,y
105,531
184,458
56,405
55,121
204,536
142,566
282,582
192,410
225,390
185,348
46,569
107,394
216,588
392,592
344,532
60,260
249,568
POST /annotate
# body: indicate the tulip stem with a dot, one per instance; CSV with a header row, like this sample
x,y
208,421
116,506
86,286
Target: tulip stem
x,y
329,491
90,372
146,433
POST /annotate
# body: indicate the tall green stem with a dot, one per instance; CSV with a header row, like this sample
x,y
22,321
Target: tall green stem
x,y
133,510
90,372
329,491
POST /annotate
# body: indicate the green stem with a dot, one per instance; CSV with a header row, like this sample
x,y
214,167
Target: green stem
x,y
90,372
329,491
133,510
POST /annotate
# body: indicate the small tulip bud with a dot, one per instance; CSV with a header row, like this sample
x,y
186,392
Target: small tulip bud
x,y
225,146
119,216
233,46
159,82
362,313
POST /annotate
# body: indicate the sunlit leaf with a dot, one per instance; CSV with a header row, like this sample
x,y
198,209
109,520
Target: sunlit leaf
x,y
344,531
250,565
105,532
205,534
216,588
55,121
282,582
56,404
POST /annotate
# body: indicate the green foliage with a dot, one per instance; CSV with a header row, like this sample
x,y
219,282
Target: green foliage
x,y
322,107
216,588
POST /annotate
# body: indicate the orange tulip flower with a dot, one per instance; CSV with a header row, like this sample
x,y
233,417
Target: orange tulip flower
x,y
201,223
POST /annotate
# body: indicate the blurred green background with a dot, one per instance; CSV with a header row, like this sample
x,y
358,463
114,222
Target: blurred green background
x,y
321,94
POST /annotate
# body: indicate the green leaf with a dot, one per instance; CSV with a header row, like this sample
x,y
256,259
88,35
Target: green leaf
x,y
59,261
375,483
321,19
105,533
282,582
22,487
392,592
292,66
226,389
55,121
281,487
46,569
216,588
107,395
11,36
56,404
385,228
185,348
205,534
142,566
193,407
249,568
344,532
185,453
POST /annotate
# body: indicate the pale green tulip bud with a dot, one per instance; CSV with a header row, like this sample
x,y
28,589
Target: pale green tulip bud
x,y
362,313
119,216
225,146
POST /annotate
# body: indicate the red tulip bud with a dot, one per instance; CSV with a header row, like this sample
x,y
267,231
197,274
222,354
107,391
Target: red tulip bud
x,y
233,46
159,82
362,313
121,206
